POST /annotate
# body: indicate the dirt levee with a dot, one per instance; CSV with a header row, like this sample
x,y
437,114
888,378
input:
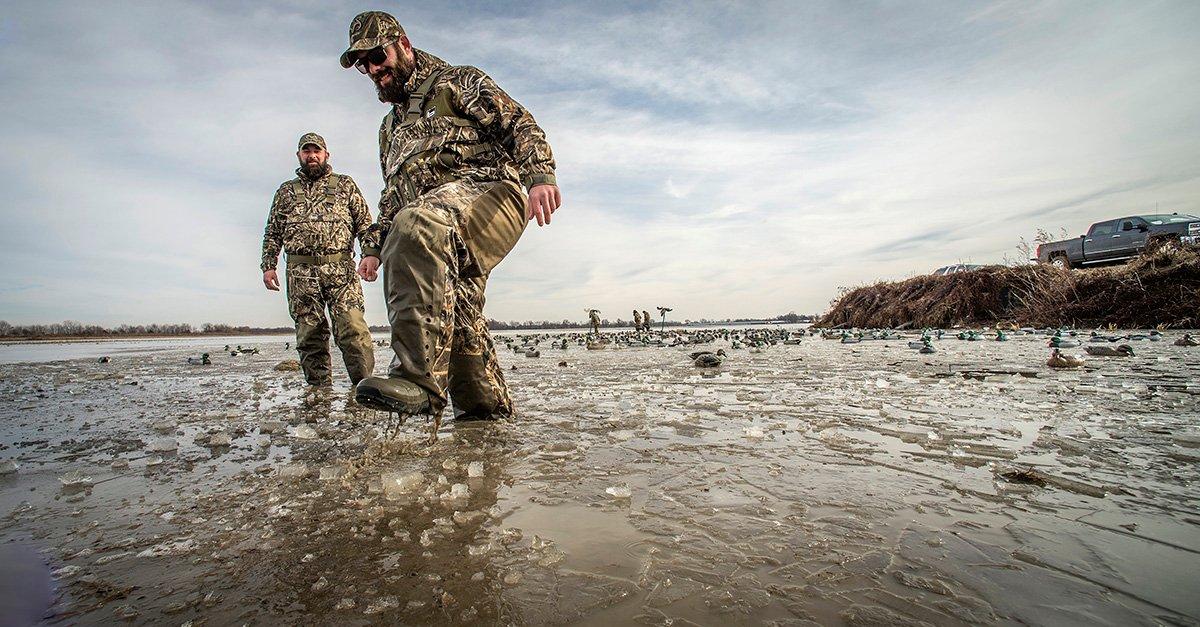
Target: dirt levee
x,y
1162,287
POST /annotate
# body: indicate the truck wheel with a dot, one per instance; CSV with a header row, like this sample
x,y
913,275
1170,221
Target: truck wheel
x,y
1060,261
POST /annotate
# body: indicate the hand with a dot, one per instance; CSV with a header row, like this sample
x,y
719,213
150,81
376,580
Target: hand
x,y
543,200
368,268
271,280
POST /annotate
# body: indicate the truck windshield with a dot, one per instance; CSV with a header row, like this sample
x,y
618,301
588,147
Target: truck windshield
x,y
1169,219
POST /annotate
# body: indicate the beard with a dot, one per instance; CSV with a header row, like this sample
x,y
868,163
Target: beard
x,y
315,170
394,91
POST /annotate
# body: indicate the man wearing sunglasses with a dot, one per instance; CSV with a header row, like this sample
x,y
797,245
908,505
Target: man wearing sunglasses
x,y
457,155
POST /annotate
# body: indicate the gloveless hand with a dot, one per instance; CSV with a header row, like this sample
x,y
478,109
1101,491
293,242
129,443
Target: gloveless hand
x,y
368,268
543,201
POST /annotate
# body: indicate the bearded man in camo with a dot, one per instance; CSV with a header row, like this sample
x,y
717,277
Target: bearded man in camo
x,y
457,155
315,218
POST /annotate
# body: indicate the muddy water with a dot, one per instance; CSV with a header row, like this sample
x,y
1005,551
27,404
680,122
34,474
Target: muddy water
x,y
813,483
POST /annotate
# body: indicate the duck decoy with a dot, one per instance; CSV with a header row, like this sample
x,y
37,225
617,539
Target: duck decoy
x,y
1123,350
1059,360
203,360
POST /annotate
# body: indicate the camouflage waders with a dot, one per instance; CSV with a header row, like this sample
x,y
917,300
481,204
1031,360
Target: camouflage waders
x,y
314,286
436,261
315,218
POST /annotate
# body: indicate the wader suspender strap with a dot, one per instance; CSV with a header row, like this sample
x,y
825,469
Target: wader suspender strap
x,y
416,110
330,196
329,192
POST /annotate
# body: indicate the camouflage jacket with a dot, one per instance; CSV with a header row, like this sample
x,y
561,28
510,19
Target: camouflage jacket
x,y
468,128
320,217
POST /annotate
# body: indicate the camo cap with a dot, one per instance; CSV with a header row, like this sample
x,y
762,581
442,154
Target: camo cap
x,y
311,138
371,29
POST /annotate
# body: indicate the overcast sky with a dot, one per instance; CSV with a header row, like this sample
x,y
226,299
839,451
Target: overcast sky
x,y
725,158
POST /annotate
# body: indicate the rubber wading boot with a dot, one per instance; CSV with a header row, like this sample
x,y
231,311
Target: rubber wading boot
x,y
392,395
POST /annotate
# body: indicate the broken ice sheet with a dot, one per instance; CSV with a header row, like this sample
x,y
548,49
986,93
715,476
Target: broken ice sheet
x,y
75,478
398,485
305,432
162,445
619,491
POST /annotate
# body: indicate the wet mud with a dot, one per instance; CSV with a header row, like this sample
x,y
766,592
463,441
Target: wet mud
x,y
804,483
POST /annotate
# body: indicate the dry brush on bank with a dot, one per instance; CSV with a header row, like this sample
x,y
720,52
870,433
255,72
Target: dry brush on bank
x,y
1159,288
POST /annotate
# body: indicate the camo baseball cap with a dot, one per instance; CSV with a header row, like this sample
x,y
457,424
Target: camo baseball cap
x,y
371,29
311,138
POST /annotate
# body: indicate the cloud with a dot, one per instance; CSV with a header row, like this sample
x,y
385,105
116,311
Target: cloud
x,y
721,158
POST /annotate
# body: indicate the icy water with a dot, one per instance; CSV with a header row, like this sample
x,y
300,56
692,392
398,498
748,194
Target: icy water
x,y
811,483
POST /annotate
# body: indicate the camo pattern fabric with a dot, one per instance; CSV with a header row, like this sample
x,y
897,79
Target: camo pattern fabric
x,y
315,217
313,288
504,143
435,268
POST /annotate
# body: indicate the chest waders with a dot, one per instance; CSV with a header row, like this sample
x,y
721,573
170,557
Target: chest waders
x,y
317,283
442,243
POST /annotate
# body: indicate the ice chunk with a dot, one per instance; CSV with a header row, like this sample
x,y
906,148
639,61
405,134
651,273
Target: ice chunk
x,y
169,548
458,492
619,492
220,439
331,473
154,461
66,571
475,469
397,485
882,383
755,433
293,471
162,445
449,464
9,467
120,464
163,426
75,478
271,426
305,432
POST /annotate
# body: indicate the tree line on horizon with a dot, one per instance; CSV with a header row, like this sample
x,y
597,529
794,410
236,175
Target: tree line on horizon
x,y
73,328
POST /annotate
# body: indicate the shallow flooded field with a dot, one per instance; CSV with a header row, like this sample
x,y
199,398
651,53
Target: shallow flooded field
x,y
808,483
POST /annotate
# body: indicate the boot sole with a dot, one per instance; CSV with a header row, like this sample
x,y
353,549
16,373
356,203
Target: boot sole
x,y
371,398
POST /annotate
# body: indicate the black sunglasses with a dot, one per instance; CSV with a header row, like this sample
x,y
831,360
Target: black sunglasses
x,y
375,56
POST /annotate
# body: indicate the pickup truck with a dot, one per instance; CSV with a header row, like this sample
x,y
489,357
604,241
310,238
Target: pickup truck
x,y
1118,240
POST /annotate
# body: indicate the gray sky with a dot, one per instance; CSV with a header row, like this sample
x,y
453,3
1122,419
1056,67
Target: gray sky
x,y
724,158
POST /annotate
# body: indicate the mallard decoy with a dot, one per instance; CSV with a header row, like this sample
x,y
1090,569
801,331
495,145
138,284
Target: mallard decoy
x,y
1058,342
927,349
533,353
1059,360
707,359
201,361
1001,336
920,344
102,360
1186,340
1123,350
